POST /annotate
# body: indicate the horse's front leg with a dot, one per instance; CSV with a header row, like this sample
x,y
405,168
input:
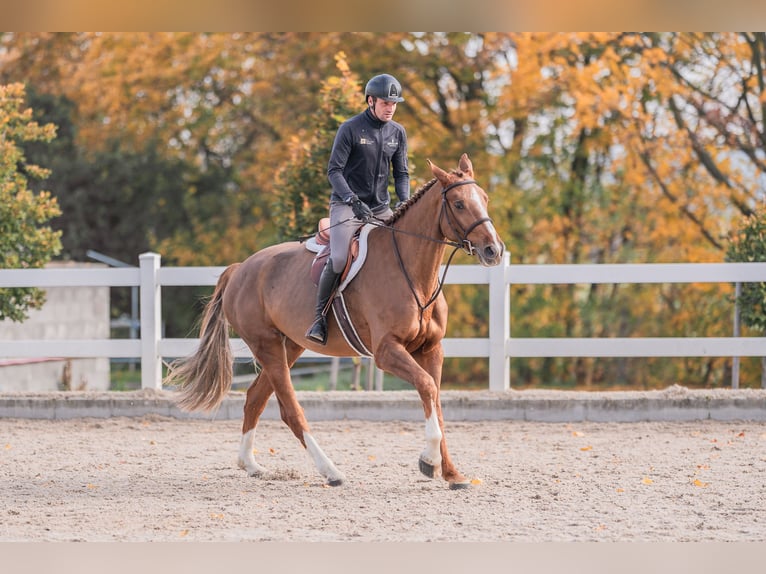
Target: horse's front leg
x,y
423,370
431,361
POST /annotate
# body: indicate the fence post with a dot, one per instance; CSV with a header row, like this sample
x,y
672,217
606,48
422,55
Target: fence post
x,y
499,326
735,360
151,316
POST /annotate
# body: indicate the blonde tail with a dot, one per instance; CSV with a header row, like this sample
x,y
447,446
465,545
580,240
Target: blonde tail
x,y
205,377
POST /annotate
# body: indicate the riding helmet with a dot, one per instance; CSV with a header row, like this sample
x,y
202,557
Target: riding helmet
x,y
385,87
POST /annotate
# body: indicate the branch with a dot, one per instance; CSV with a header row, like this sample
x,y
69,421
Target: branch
x,y
684,208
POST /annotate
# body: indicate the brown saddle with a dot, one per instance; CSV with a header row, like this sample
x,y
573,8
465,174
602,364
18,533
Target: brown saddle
x,y
322,237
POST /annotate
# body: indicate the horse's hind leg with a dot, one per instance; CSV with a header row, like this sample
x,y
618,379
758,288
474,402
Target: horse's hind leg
x,y
276,357
258,395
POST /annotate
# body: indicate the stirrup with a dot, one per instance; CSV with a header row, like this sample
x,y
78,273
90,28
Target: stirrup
x,y
318,331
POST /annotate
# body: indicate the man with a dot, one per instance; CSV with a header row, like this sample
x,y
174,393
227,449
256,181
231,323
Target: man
x,y
367,148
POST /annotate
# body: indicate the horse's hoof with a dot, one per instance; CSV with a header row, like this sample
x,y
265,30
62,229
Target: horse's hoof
x,y
335,482
427,468
459,485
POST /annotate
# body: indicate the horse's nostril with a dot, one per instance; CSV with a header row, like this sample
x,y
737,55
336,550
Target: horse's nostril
x,y
490,252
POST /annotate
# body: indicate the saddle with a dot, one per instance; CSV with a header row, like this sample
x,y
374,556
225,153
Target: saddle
x,y
357,254
320,244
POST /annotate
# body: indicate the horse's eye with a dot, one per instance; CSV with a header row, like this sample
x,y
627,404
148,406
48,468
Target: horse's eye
x,y
459,204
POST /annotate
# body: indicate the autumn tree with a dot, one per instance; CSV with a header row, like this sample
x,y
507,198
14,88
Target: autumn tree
x,y
594,148
26,239
616,166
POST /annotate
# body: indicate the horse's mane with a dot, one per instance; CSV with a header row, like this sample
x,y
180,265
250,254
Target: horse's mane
x,y
415,197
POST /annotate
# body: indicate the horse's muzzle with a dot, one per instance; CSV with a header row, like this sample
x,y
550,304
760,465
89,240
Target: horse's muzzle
x,y
491,254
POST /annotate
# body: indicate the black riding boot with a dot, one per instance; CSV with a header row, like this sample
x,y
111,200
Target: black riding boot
x,y
328,281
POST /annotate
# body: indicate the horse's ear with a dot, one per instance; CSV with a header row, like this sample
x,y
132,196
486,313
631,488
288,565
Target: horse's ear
x,y
438,172
465,165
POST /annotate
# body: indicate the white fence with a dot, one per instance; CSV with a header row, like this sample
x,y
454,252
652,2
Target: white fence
x,y
499,347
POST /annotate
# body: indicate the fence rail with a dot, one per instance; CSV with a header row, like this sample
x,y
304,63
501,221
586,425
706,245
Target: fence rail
x,y
151,348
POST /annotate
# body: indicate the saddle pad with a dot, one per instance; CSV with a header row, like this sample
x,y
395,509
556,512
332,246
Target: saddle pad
x,y
316,247
357,263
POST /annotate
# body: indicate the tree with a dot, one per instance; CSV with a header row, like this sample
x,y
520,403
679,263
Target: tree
x,y
748,244
594,148
26,241
122,202
302,180
634,147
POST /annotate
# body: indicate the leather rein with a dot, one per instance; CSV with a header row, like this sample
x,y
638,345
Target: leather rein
x,y
464,244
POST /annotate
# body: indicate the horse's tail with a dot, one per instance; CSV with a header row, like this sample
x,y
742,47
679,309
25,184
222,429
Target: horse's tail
x,y
205,377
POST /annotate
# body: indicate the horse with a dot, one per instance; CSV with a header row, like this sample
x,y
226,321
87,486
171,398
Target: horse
x,y
395,300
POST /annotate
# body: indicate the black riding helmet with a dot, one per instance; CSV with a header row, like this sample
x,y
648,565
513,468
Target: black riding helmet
x,y
385,87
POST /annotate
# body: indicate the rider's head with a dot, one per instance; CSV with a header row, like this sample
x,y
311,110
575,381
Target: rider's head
x,y
382,93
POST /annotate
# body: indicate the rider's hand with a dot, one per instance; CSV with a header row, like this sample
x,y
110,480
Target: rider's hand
x,y
361,210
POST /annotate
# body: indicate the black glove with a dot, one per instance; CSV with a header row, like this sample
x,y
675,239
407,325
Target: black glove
x,y
361,210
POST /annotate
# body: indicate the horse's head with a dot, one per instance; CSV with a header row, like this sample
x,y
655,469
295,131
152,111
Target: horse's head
x,y
464,218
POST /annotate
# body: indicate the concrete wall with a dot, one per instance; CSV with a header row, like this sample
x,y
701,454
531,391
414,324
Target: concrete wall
x,y
69,312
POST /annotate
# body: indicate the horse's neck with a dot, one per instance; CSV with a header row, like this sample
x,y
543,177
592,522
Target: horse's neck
x,y
421,242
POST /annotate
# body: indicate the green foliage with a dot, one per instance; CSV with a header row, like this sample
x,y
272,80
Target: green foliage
x,y
302,186
26,241
123,202
748,245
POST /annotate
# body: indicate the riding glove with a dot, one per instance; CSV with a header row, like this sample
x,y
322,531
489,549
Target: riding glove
x,y
361,210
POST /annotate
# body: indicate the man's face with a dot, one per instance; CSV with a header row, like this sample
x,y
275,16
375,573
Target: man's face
x,y
383,110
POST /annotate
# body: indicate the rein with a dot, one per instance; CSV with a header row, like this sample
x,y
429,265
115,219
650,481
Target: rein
x,y
464,244
440,284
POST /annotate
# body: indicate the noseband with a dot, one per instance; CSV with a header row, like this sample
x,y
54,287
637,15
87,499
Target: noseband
x,y
462,235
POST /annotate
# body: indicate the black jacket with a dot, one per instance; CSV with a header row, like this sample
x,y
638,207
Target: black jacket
x,y
363,153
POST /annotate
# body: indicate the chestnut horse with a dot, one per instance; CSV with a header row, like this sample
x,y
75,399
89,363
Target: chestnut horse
x,y
395,301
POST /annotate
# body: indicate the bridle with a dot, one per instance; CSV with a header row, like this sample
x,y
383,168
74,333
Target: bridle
x,y
463,243
446,210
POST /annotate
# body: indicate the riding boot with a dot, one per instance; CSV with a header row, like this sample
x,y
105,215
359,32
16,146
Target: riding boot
x,y
328,281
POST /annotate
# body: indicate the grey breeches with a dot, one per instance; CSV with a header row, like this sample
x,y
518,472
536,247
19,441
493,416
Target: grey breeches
x,y
341,233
